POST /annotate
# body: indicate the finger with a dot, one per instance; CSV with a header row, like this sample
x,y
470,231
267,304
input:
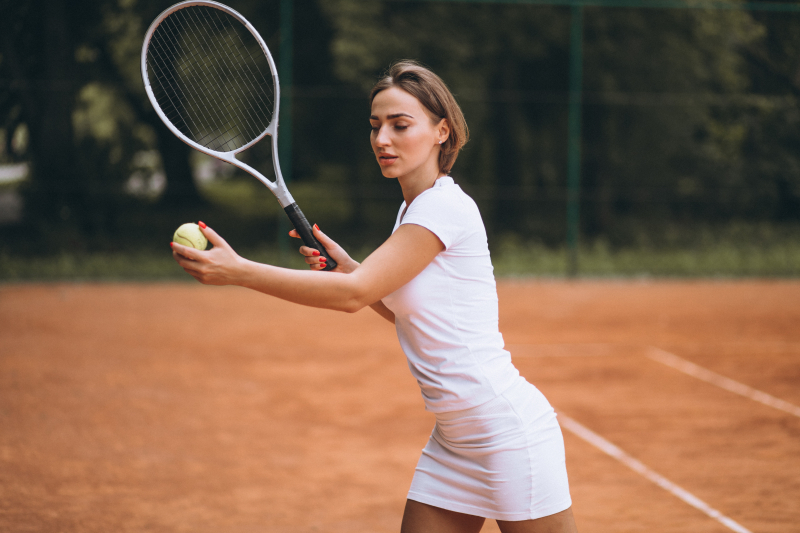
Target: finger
x,y
212,236
185,263
186,252
293,233
309,252
323,239
316,261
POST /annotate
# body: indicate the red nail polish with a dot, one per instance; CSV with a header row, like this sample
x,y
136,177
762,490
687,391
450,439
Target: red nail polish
x,y
316,227
323,260
170,244
315,253
202,224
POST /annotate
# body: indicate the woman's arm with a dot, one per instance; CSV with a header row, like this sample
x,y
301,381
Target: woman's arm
x,y
345,263
396,262
380,308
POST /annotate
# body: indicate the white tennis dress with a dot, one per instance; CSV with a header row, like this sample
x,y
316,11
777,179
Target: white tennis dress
x,y
496,450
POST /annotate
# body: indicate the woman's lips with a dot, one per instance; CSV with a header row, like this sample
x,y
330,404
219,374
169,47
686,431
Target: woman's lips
x,y
386,159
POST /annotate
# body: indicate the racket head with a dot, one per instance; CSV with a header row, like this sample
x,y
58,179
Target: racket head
x,y
211,78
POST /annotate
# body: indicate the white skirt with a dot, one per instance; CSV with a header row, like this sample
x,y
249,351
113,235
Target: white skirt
x,y
502,460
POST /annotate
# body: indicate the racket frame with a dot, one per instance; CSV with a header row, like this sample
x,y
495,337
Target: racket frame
x,y
278,187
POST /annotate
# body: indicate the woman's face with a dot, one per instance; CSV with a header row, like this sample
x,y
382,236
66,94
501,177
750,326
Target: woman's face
x,y
404,137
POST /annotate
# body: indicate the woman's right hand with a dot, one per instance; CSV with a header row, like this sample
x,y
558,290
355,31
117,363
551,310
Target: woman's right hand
x,y
344,263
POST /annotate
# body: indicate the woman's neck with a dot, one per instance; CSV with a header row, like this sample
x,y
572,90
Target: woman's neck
x,y
414,185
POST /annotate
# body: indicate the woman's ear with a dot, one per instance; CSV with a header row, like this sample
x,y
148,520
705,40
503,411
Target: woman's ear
x,y
443,130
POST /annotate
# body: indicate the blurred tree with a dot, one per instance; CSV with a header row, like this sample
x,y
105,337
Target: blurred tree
x,y
660,136
668,116
119,45
771,145
690,116
72,71
487,56
38,45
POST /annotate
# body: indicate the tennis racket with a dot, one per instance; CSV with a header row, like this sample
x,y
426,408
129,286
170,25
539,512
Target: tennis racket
x,y
212,80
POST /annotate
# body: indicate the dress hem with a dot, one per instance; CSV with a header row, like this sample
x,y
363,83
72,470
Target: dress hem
x,y
487,513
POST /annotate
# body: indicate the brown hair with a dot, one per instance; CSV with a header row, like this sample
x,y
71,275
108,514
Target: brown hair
x,y
433,94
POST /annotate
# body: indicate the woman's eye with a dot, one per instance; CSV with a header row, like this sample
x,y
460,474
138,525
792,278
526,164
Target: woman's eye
x,y
401,127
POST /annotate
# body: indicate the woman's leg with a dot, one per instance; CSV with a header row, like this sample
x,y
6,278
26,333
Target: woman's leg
x,y
422,518
562,522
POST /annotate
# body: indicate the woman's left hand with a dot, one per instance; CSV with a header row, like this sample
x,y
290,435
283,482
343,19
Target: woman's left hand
x,y
217,266
344,263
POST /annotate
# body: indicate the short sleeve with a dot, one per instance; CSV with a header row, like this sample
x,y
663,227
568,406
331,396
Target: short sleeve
x,y
441,212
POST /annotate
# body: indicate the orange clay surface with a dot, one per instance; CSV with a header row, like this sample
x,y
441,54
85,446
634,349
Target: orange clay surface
x,y
183,408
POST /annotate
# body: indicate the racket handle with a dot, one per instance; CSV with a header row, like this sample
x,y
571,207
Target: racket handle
x,y
304,230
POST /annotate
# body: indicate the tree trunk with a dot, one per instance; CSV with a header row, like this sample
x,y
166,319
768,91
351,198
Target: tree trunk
x,y
55,193
508,204
181,189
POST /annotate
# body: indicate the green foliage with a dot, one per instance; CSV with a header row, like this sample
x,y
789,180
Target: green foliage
x,y
740,252
736,250
724,260
108,266
669,116
690,120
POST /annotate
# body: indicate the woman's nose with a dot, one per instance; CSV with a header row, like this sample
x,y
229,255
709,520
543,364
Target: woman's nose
x,y
381,138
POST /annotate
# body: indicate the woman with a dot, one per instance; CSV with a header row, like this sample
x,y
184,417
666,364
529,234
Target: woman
x,y
496,450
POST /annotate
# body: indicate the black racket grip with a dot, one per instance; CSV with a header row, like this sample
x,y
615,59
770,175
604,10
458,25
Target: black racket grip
x,y
304,230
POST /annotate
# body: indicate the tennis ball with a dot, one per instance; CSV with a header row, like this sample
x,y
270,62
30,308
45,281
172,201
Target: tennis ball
x,y
190,235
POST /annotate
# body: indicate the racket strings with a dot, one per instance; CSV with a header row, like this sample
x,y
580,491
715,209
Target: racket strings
x,y
183,98
248,80
207,82
178,94
164,83
212,134
221,72
173,90
218,70
267,103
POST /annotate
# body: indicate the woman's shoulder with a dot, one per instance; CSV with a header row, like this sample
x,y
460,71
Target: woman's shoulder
x,y
448,212
444,196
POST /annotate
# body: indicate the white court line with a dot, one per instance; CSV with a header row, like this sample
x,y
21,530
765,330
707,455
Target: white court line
x,y
602,444
672,360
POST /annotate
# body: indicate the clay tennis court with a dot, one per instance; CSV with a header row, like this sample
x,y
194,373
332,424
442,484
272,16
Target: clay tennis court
x,y
177,407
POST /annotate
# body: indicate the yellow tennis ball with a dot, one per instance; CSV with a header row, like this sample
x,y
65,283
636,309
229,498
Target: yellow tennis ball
x,y
190,235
